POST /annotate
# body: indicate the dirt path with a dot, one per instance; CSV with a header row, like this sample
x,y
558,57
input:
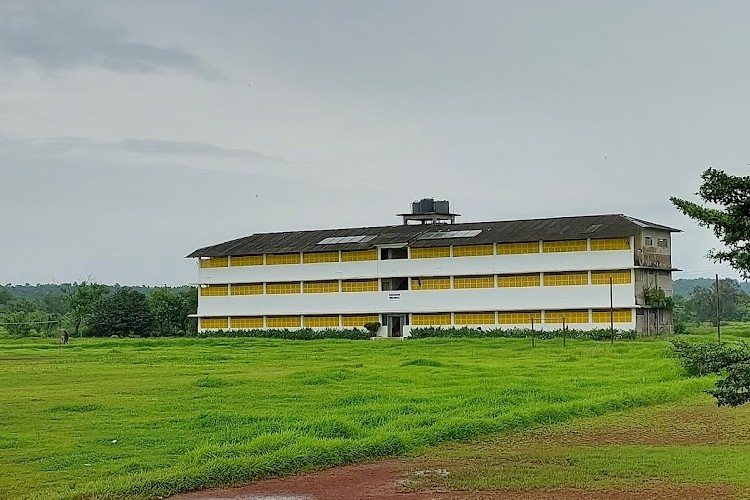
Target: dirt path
x,y
387,480
423,477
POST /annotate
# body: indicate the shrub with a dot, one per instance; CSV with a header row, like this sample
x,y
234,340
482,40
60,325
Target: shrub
x,y
297,334
466,332
680,329
732,363
373,327
703,358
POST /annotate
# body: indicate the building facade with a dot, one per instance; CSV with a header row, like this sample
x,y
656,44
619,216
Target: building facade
x,y
579,271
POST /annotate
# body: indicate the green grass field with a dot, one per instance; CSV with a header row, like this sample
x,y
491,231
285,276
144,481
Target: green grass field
x,y
129,418
731,328
686,443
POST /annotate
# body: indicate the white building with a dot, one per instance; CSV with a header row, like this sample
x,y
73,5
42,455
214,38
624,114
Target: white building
x,y
505,274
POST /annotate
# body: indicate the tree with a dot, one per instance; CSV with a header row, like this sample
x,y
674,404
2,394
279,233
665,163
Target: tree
x,y
5,296
123,312
56,303
730,222
190,301
82,300
170,311
700,305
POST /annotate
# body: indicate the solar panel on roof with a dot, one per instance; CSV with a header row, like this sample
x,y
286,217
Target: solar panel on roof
x,y
450,234
592,228
334,240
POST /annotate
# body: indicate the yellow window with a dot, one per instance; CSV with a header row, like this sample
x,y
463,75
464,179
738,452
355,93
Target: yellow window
x,y
430,253
437,319
359,320
214,290
316,257
283,321
518,280
566,279
359,286
474,282
441,283
577,316
215,323
247,289
247,322
619,316
519,317
283,288
610,244
473,250
282,258
565,246
247,260
618,277
517,248
321,287
321,322
359,255
475,318
215,262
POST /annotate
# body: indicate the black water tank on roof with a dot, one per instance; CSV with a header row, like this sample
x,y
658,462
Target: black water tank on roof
x,y
442,207
426,205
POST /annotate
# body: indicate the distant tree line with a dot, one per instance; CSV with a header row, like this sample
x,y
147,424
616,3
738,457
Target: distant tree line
x,y
96,310
700,305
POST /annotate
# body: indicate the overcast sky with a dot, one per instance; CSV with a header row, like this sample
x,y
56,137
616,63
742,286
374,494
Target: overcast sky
x,y
133,132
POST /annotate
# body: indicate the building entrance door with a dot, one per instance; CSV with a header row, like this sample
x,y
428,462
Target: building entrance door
x,y
395,324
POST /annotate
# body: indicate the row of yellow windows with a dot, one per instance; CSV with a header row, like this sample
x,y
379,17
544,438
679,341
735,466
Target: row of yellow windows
x,y
474,282
522,248
420,253
290,258
426,319
442,283
290,288
523,280
321,286
521,317
432,283
330,321
360,286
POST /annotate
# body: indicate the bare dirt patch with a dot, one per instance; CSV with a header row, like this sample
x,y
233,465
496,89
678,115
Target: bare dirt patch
x,y
373,480
386,480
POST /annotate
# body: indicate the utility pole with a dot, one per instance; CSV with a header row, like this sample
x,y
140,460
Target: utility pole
x,y
718,310
533,342
611,314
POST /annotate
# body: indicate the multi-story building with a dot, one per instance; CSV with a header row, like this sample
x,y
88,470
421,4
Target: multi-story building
x,y
584,272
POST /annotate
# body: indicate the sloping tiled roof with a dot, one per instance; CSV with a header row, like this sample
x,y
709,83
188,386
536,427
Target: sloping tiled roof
x,y
512,231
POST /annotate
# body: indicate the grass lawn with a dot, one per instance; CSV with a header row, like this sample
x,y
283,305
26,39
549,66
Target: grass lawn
x,y
130,418
677,445
731,328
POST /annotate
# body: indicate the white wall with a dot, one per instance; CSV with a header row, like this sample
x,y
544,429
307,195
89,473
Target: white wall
x,y
490,264
481,299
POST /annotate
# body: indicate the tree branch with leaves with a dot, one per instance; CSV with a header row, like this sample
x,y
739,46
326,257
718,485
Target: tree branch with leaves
x,y
729,220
